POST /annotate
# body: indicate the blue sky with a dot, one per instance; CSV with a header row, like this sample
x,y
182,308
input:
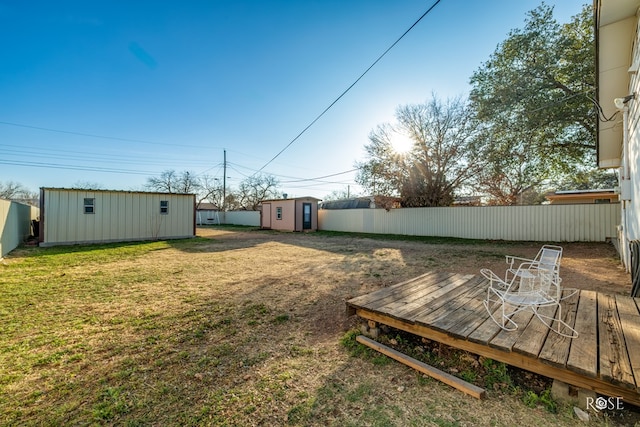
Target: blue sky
x,y
113,92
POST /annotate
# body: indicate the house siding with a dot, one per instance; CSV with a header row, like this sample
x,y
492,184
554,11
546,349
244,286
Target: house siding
x,y
618,38
631,210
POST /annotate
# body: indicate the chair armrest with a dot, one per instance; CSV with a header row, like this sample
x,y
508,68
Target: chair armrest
x,y
525,269
511,257
495,282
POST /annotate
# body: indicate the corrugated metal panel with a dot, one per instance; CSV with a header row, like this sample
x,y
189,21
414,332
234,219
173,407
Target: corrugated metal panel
x,y
118,216
550,223
15,224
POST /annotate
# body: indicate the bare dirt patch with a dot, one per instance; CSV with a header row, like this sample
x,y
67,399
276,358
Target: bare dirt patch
x,y
316,274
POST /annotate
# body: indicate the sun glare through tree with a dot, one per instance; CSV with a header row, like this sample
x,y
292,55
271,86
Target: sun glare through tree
x,y
401,143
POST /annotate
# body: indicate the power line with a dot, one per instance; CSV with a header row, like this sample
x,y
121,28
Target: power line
x,y
319,177
80,156
79,168
67,132
293,179
349,88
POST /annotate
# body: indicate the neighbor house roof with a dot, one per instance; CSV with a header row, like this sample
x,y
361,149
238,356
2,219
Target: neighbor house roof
x,y
575,195
355,203
208,207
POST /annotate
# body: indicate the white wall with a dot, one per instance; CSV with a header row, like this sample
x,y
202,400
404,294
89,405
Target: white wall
x,y
548,223
250,218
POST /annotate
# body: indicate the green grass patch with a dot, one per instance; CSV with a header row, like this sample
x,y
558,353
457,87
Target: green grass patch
x,y
281,318
544,399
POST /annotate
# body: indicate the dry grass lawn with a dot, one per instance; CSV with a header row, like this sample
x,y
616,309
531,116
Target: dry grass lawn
x,y
238,327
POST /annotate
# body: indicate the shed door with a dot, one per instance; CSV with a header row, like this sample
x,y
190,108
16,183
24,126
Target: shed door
x,y
306,216
266,215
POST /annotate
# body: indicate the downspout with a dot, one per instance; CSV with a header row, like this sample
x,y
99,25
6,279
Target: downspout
x,y
625,143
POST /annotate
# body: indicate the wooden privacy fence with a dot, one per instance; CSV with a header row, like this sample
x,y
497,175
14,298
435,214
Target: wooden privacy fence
x,y
15,224
548,223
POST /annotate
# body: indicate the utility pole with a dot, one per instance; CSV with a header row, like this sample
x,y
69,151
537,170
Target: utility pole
x,y
224,181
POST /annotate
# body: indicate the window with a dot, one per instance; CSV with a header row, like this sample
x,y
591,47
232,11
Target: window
x,y
278,213
164,207
89,205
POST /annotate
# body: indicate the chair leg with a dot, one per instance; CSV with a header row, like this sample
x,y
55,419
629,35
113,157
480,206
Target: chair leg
x,y
569,293
557,320
496,307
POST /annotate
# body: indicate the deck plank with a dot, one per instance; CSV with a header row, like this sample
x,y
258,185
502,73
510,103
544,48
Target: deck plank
x,y
505,340
583,355
476,315
535,334
452,309
394,291
407,301
418,291
630,320
614,361
428,300
555,350
485,331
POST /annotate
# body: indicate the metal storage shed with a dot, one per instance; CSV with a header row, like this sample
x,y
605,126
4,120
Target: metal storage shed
x,y
72,216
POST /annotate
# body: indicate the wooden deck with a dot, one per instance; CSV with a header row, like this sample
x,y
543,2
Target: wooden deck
x,y
448,308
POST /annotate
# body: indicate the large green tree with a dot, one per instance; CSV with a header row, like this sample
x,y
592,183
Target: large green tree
x,y
439,162
535,97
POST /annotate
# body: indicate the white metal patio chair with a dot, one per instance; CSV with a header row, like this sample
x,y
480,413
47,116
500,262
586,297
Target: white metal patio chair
x,y
548,258
540,288
524,270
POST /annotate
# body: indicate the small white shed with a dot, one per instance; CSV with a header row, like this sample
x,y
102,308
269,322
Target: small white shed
x,y
73,216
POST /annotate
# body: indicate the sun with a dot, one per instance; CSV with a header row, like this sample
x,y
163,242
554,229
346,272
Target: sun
x,y
401,143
